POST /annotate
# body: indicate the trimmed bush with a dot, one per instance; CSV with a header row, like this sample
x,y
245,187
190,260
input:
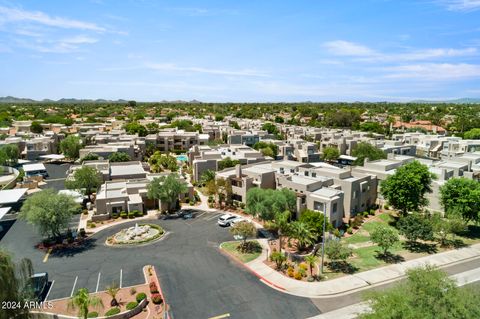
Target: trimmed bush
x,y
83,233
303,266
133,291
153,288
115,215
123,215
131,305
140,296
298,275
137,213
92,314
112,311
157,298
350,230
131,215
290,271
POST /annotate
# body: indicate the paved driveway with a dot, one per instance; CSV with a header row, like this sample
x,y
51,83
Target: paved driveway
x,y
199,282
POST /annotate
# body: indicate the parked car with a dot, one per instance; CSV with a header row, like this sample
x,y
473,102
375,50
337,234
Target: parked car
x,y
227,220
39,284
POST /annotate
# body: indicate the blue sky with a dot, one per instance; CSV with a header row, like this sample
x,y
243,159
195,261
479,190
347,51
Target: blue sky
x,y
270,50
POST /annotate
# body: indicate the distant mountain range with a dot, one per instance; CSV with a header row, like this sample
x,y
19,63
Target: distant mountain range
x,y
12,99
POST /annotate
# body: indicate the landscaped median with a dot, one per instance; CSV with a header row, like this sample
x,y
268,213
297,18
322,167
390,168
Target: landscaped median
x,y
232,248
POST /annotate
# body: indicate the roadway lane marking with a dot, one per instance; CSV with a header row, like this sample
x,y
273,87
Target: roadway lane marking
x,y
225,315
45,259
74,284
213,217
121,275
98,281
50,289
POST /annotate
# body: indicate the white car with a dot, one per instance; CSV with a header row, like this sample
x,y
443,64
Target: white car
x,y
228,220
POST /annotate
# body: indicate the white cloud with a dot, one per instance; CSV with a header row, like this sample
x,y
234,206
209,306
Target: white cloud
x,y
346,48
434,71
18,15
460,5
173,67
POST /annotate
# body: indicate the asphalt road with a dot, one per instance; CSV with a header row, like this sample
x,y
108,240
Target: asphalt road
x,y
198,281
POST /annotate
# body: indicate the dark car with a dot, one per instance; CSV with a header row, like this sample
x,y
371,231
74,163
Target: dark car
x,y
39,283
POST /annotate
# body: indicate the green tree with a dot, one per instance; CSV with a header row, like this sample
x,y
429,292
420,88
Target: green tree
x,y
337,252
207,176
86,179
112,291
270,128
152,128
227,163
405,190
90,157
385,237
330,154
235,125
473,134
136,128
82,301
159,162
315,221
49,211
365,150
265,203
282,224
245,230
70,146
427,293
373,127
36,127
14,278
119,157
303,233
461,197
415,226
278,258
311,261
167,189
446,226
267,149
9,154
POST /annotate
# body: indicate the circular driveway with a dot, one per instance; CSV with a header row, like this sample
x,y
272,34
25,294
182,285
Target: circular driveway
x,y
198,280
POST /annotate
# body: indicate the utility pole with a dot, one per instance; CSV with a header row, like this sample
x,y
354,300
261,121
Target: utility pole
x,y
323,241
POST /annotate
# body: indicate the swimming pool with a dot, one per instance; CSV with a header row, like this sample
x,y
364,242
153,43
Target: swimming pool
x,y
182,158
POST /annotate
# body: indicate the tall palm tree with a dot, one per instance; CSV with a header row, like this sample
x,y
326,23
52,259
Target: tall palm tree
x,y
14,279
112,291
302,233
82,300
283,225
311,261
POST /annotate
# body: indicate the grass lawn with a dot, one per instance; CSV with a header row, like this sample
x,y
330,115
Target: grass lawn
x,y
365,258
231,247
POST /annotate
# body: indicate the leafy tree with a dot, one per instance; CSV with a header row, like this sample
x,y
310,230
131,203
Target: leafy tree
x,y
207,176
14,277
225,191
167,189
337,252
160,162
152,128
267,149
136,128
473,134
461,197
415,226
36,127
49,211
405,190
270,128
243,229
365,150
235,125
385,237
315,221
70,146
279,119
219,117
446,226
83,301
278,258
90,157
265,203
311,261
303,233
119,157
330,154
9,154
427,293
227,163
373,127
87,179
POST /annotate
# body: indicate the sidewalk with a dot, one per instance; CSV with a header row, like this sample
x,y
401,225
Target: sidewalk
x,y
352,283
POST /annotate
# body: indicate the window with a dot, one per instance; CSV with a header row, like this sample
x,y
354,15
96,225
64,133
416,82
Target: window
x,y
314,174
306,173
334,207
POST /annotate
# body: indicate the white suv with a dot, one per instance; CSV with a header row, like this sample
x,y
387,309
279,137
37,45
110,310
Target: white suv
x,y
228,220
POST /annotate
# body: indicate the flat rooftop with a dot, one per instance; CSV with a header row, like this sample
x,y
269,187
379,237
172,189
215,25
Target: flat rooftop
x,y
11,196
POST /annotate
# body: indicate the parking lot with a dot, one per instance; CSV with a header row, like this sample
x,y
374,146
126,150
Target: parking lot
x,y
199,281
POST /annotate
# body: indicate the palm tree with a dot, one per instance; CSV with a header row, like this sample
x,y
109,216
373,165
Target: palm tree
x,y
283,225
14,279
311,261
82,300
303,233
112,291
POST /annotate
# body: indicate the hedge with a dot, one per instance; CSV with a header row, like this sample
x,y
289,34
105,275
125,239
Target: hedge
x,y
140,296
112,312
92,314
131,305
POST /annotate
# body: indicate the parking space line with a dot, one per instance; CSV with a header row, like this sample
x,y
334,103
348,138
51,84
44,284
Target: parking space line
x,y
213,217
45,259
98,281
225,315
200,215
74,284
50,289
121,275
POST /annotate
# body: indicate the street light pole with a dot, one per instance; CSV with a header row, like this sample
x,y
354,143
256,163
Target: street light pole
x,y
323,242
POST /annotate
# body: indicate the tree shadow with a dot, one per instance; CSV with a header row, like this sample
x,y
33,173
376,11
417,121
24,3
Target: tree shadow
x,y
471,232
418,247
455,243
74,249
342,266
389,258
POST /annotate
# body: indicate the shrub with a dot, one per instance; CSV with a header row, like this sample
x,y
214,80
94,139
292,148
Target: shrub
x,y
124,215
131,215
249,247
242,205
114,215
386,206
157,298
112,311
211,199
372,211
140,296
290,271
92,314
138,213
133,291
83,233
303,266
92,225
336,233
298,275
187,200
131,305
350,230
153,288
302,272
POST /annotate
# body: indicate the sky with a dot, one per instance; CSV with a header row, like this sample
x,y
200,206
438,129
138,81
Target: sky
x,y
241,51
